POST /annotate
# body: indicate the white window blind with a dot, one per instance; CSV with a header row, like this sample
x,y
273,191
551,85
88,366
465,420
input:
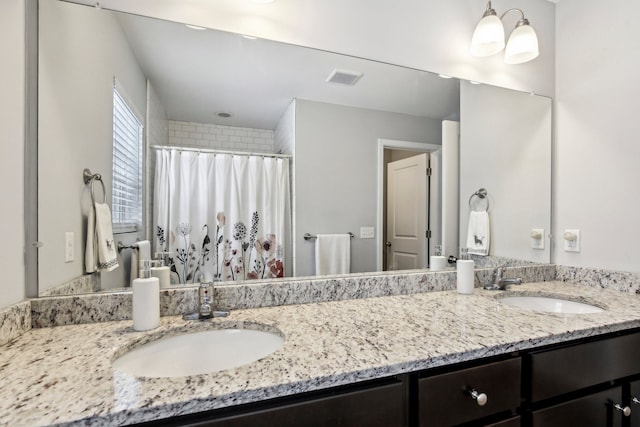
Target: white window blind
x,y
126,207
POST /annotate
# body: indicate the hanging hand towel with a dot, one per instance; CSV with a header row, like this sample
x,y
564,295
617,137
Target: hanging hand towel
x,y
141,253
333,254
478,233
100,252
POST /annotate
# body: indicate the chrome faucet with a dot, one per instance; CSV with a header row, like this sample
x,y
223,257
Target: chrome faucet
x,y
205,304
498,283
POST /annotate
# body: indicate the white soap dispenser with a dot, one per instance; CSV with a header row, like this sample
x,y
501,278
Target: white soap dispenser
x,y
161,270
146,299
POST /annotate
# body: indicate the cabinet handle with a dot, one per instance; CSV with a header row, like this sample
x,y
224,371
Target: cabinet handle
x,y
480,398
635,400
626,411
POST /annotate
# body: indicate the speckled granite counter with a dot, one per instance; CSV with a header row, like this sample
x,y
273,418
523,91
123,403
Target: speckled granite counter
x,y
64,375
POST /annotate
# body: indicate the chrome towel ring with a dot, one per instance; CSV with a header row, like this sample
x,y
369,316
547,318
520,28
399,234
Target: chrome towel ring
x,y
482,195
89,177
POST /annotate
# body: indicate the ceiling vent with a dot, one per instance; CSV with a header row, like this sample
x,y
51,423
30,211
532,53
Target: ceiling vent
x,y
344,77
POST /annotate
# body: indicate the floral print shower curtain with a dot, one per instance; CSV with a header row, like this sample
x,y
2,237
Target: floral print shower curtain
x,y
221,216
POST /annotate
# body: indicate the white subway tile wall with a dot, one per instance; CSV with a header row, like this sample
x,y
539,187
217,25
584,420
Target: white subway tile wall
x,y
219,137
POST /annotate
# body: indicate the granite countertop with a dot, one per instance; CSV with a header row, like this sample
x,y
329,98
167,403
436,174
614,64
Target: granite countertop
x,y
63,375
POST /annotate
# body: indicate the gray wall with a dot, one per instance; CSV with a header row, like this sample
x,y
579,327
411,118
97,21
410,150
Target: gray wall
x,y
76,71
12,46
513,130
336,150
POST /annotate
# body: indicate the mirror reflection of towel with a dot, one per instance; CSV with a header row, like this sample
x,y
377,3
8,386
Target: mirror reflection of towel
x,y
478,233
100,252
333,254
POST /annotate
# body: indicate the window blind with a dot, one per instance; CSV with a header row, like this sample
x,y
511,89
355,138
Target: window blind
x,y
126,203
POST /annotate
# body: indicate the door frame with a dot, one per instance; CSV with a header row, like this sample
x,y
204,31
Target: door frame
x,y
383,144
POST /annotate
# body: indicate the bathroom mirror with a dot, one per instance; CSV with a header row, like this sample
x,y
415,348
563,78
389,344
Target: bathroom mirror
x,y
183,82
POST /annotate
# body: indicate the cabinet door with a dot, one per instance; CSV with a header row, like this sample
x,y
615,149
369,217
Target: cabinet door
x,y
382,406
445,400
594,410
635,404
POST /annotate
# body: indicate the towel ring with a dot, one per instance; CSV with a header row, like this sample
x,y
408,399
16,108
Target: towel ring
x,y
482,195
89,177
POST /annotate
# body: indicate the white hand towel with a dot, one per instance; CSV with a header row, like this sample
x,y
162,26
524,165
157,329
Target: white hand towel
x,y
478,233
90,250
141,253
333,254
103,243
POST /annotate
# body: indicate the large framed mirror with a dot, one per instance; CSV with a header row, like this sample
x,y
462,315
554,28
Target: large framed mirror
x,y
326,115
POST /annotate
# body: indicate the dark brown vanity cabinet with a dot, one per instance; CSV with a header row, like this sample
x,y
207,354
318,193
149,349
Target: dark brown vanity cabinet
x,y
471,394
583,384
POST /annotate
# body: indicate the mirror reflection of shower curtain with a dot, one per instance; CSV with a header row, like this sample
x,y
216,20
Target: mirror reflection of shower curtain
x,y
221,216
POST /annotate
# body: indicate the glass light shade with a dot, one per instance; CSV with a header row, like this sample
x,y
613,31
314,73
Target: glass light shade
x,y
522,45
488,37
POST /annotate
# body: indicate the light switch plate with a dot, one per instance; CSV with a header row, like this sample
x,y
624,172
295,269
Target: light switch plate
x,y
68,247
367,232
571,240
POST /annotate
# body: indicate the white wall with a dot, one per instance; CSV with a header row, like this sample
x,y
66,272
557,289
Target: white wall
x,y
336,150
12,145
75,124
429,35
506,133
597,167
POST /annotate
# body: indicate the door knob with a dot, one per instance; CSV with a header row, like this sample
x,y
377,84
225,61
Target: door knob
x,y
388,244
635,400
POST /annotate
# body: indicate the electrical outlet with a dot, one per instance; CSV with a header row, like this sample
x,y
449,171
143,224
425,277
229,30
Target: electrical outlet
x,y
571,240
367,232
68,247
537,238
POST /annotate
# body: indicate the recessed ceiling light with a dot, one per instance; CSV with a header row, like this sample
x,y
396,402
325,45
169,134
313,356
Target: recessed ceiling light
x,y
444,76
248,37
473,82
194,27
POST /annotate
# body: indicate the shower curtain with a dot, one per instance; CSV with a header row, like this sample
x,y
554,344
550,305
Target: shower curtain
x,y
221,216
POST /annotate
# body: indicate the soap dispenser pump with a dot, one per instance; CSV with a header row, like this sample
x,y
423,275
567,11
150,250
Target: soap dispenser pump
x,y
146,299
161,270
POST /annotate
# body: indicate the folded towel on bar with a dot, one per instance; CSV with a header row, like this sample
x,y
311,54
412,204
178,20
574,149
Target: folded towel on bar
x,y
140,253
478,233
333,254
100,251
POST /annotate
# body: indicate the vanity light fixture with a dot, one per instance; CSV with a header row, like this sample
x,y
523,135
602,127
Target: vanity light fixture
x,y
488,38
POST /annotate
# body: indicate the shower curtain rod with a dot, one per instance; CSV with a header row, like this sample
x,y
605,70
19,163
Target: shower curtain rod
x,y
233,153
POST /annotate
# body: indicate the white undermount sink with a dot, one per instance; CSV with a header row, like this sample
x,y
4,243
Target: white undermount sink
x,y
550,304
198,353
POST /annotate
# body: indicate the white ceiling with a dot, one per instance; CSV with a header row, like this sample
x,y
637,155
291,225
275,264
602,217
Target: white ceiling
x,y
200,73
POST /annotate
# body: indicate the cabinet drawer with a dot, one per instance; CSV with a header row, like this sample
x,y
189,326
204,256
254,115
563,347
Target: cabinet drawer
x,y
382,406
594,410
564,370
445,399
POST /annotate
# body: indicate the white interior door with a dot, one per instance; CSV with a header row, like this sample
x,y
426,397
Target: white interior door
x,y
407,211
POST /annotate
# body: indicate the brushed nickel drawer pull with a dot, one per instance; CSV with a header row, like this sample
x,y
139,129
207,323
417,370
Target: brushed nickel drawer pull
x,y
626,411
480,398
